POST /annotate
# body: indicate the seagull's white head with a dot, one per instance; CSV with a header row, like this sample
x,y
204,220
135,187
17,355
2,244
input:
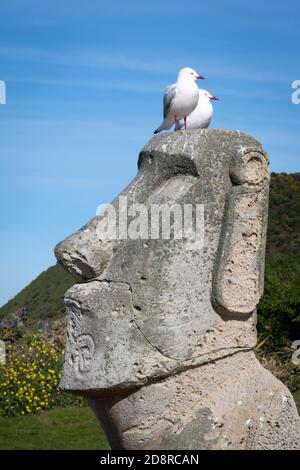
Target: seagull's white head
x,y
188,74
206,95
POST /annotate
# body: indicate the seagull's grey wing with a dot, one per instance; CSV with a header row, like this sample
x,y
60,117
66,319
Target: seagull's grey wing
x,y
170,94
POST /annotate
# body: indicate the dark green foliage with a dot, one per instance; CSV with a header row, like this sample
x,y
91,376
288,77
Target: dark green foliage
x,y
279,308
284,215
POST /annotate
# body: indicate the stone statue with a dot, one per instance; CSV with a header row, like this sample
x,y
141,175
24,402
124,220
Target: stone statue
x,y
161,330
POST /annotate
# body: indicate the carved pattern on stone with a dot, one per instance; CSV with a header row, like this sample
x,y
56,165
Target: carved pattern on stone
x,y
84,350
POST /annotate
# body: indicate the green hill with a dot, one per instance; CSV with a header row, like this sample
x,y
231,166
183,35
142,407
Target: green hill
x,y
43,297
284,215
280,305
279,308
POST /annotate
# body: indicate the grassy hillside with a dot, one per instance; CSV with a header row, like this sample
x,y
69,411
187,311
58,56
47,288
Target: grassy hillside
x,y
44,296
284,215
279,308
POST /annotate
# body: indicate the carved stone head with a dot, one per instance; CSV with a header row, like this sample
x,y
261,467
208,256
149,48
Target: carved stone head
x,y
149,306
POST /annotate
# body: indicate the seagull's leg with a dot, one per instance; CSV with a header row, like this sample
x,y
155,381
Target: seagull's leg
x,y
185,123
176,122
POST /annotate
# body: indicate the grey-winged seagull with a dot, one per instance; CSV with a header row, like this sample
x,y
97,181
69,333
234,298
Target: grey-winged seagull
x,y
180,99
201,116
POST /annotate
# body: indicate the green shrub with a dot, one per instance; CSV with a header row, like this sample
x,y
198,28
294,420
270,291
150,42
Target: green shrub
x,y
279,308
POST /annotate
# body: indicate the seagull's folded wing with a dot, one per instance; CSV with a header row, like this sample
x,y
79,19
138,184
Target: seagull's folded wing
x,y
169,96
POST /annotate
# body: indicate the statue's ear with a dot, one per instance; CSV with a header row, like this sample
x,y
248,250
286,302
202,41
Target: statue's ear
x,y
238,276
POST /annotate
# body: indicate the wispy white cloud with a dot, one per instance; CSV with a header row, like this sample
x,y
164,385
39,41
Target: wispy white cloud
x,y
146,86
98,60
121,85
85,58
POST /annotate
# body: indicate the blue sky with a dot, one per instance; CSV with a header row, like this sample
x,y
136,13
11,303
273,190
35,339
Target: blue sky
x,y
84,94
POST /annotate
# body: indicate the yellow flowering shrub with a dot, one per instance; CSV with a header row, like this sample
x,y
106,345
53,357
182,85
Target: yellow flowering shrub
x,y
29,380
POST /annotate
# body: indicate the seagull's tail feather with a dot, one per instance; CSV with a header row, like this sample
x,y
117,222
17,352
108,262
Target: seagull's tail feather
x,y
165,125
159,129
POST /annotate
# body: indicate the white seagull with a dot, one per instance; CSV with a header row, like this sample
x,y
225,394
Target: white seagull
x,y
180,99
201,116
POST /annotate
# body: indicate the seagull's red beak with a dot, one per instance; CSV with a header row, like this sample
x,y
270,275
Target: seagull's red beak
x,y
199,77
214,98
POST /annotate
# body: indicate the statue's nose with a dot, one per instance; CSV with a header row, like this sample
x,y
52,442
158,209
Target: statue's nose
x,y
83,254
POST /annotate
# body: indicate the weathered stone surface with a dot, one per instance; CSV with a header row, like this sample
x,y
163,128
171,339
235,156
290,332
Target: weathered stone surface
x,y
232,403
175,317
